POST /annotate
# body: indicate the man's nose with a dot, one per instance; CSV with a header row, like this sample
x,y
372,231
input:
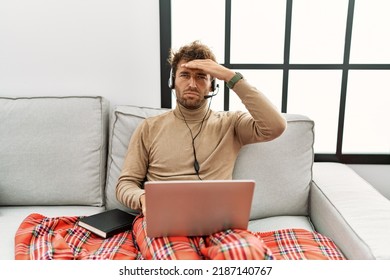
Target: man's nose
x,y
192,81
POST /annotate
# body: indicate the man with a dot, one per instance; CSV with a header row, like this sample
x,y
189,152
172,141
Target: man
x,y
192,142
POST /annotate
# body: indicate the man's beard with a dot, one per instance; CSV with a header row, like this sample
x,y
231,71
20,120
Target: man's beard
x,y
190,103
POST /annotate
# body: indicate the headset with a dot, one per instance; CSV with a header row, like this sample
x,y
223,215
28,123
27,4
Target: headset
x,y
171,84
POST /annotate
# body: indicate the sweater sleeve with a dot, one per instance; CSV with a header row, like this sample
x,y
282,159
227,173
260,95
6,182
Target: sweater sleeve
x,y
263,122
129,186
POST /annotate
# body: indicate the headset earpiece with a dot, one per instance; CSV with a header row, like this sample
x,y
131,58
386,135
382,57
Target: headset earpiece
x,y
213,85
171,81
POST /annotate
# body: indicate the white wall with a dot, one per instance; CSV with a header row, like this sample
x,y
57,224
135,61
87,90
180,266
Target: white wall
x,y
81,47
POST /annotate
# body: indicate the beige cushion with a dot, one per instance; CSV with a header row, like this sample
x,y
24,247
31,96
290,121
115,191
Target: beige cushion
x,y
345,205
282,169
12,216
124,121
53,150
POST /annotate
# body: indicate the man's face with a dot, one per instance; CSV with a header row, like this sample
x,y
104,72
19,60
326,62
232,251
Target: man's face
x,y
191,85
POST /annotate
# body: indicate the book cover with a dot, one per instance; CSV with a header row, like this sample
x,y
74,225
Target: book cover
x,y
108,223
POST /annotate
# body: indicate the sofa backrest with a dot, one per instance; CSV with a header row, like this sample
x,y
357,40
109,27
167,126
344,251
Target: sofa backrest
x,y
281,168
124,121
53,150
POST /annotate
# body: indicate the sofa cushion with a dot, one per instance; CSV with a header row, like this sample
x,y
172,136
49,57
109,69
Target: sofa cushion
x,y
280,223
124,121
282,169
11,218
53,150
343,204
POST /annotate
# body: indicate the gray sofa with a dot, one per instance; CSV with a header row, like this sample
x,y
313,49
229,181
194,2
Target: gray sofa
x,y
62,156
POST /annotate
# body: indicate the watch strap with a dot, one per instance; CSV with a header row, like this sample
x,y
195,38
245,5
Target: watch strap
x,y
234,80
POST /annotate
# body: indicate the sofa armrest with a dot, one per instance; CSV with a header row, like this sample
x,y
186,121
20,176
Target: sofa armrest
x,y
347,209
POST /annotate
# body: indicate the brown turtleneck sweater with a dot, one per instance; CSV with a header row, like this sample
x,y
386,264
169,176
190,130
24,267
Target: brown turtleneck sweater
x,y
161,147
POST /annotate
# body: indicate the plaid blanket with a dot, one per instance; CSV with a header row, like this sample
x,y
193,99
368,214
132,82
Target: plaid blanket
x,y
44,238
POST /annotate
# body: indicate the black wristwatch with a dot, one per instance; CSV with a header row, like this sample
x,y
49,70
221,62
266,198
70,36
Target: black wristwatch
x,y
234,80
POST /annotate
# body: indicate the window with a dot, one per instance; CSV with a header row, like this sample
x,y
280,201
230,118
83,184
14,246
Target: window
x,y
186,26
316,94
327,59
366,128
318,31
252,39
370,34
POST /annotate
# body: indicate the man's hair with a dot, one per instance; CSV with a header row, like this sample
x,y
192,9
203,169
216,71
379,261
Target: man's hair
x,y
194,50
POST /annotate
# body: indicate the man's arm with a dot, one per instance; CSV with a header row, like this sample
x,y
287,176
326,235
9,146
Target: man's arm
x,y
264,123
210,67
128,188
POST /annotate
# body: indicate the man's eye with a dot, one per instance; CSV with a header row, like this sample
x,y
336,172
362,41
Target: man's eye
x,y
202,77
184,75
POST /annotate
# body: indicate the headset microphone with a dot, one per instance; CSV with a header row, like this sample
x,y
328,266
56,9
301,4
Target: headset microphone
x,y
215,87
209,96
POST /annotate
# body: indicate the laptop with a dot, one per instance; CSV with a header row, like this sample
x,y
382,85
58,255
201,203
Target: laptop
x,y
197,208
